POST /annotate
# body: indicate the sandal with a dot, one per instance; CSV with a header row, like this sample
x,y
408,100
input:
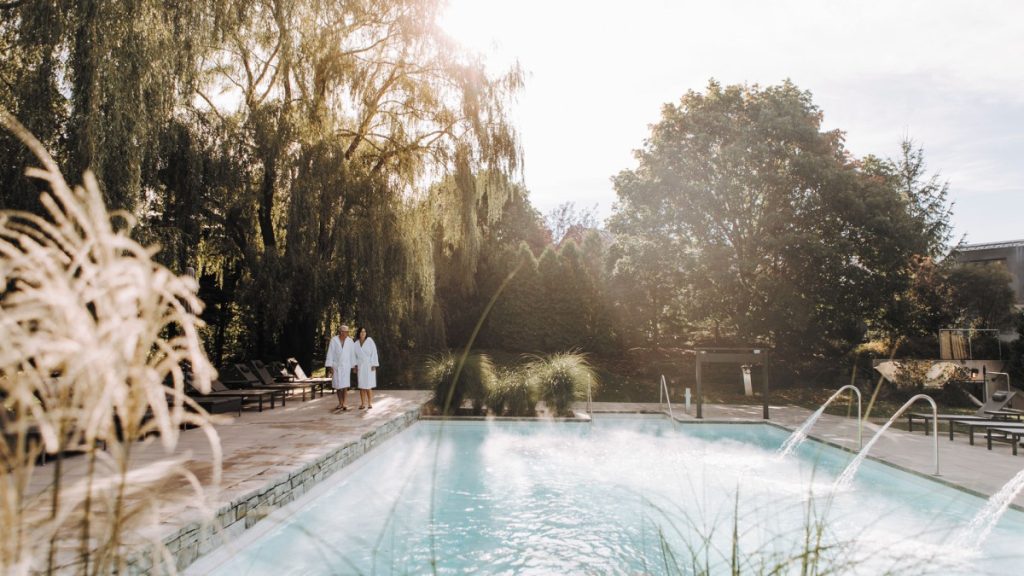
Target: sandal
x,y
370,406
361,407
339,409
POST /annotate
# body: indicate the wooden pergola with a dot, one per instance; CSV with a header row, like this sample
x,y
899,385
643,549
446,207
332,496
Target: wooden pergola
x,y
749,356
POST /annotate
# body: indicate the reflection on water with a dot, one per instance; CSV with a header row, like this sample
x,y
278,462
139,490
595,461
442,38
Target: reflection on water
x,y
623,496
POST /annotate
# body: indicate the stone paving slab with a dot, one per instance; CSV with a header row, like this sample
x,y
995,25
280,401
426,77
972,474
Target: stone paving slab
x,y
269,458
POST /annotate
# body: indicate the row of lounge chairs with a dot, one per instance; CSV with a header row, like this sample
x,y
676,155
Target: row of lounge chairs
x,y
255,383
996,418
246,385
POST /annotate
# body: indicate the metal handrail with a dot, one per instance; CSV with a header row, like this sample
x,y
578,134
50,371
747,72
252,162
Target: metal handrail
x,y
935,422
663,398
860,421
590,411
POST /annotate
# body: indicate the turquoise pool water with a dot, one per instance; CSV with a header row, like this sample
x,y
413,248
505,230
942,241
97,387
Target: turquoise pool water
x,y
625,495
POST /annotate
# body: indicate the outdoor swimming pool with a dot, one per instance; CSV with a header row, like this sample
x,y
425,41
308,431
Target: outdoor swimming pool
x,y
624,495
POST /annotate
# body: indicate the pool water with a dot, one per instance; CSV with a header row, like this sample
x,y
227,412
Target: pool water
x,y
624,495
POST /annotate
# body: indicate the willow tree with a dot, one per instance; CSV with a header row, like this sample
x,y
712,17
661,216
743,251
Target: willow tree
x,y
98,80
30,70
345,110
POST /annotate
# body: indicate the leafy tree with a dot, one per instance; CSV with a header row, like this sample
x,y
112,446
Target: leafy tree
x,y
465,286
279,147
926,197
920,307
604,333
1015,361
777,234
517,320
981,296
647,287
98,81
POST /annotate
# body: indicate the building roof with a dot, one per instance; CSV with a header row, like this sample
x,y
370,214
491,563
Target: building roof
x,y
991,245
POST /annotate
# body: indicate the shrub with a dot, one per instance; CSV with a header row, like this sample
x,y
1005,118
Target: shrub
x,y
561,379
474,381
512,394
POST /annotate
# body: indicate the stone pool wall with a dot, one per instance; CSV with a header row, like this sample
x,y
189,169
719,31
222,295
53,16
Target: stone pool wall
x,y
195,539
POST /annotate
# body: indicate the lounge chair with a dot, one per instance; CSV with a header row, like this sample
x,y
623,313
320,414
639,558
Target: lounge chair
x,y
251,380
263,373
218,405
983,424
999,401
247,395
1005,434
299,375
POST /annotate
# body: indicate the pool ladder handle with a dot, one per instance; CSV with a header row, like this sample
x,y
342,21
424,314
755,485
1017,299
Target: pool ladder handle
x,y
590,401
663,398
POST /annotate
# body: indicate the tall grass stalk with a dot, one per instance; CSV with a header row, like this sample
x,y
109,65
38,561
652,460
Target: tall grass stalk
x,y
94,333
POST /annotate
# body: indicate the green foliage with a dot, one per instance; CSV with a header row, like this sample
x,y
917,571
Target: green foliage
x,y
925,197
562,379
981,296
475,378
747,219
553,304
515,322
277,148
1015,359
512,394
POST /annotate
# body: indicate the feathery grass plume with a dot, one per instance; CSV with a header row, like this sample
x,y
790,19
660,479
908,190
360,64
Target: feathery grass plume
x,y
512,394
94,334
476,379
562,378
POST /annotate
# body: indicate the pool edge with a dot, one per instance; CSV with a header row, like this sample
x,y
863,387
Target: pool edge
x,y
200,537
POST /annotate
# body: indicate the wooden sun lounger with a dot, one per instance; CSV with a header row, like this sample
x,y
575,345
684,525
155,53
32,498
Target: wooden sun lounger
x,y
927,418
218,390
1011,435
218,405
994,410
253,381
971,425
268,379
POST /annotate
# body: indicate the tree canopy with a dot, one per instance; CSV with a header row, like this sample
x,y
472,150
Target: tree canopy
x,y
282,148
759,225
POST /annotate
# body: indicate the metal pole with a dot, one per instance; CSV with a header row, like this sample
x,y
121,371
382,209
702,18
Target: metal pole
x,y
765,388
700,389
984,382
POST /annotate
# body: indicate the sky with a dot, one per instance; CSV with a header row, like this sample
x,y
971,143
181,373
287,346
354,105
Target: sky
x,y
948,74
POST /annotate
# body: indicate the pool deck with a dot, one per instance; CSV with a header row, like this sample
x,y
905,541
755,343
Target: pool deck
x,y
269,458
971,468
273,457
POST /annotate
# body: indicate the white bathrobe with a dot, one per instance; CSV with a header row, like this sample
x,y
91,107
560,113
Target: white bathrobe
x,y
341,356
366,358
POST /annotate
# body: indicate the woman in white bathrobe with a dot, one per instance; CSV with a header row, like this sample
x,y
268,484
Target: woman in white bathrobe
x,y
366,358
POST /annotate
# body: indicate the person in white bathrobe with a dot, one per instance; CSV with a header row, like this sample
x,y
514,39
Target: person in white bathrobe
x,y
367,361
340,363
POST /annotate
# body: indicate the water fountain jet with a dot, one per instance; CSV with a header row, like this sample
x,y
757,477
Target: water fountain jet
x,y
847,476
800,434
974,534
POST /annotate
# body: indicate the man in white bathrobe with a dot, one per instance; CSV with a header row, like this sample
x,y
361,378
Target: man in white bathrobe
x,y
340,363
